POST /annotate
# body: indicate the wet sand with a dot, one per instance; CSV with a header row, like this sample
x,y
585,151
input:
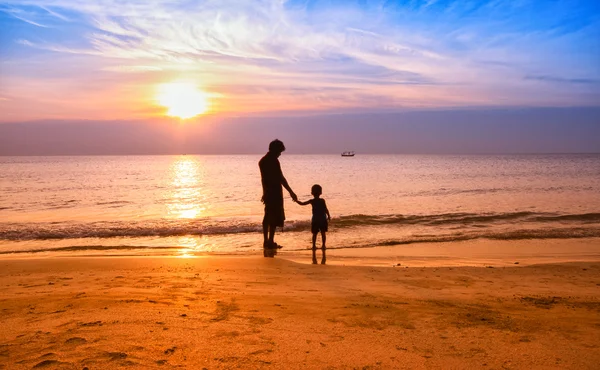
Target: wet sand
x,y
254,312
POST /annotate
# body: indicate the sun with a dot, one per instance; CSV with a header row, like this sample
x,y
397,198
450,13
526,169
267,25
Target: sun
x,y
182,99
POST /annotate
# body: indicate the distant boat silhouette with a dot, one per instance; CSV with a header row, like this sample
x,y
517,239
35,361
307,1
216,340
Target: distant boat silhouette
x,y
348,154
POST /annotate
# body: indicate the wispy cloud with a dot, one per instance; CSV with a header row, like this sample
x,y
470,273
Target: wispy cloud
x,y
419,53
23,16
561,80
55,14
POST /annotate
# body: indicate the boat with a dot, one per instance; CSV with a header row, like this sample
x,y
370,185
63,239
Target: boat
x,y
348,154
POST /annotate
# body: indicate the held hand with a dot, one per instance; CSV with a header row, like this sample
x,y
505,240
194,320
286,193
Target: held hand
x,y
294,197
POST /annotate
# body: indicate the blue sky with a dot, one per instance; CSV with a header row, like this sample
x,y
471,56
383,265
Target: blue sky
x,y
71,59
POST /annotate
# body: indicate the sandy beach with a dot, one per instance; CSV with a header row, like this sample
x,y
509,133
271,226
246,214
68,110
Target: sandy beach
x,y
252,312
219,312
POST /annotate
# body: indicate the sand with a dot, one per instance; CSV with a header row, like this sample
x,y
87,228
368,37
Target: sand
x,y
222,312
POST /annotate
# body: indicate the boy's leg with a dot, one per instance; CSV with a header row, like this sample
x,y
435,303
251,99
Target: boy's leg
x,y
314,248
323,238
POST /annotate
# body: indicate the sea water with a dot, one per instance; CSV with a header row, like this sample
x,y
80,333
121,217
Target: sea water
x,y
211,204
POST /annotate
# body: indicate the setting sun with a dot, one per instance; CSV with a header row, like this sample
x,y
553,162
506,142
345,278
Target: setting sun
x,y
182,99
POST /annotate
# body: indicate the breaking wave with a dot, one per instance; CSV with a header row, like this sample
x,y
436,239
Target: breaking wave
x,y
536,225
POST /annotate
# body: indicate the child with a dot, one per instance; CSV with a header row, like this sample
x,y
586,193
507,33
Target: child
x,y
319,219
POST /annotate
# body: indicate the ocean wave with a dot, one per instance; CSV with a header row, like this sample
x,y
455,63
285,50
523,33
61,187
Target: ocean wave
x,y
547,233
84,248
116,202
521,234
463,219
162,228
451,223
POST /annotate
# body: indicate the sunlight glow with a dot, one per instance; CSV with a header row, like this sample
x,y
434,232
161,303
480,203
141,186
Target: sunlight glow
x,y
186,198
182,99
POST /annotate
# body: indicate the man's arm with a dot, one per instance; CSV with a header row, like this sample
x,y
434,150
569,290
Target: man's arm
x,y
287,187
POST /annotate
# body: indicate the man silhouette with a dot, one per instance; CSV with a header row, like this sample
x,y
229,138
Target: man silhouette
x,y
272,181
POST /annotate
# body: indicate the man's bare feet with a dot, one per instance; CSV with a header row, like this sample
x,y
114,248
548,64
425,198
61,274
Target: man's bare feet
x,y
271,245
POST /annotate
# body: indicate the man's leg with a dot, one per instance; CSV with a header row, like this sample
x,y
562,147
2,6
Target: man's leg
x,y
272,229
265,234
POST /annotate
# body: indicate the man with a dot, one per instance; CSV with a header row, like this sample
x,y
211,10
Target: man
x,y
272,182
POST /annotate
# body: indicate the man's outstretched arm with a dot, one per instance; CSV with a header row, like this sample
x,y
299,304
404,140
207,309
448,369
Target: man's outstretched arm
x,y
287,187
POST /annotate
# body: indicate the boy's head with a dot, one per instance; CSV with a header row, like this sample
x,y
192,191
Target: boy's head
x,y
316,190
276,147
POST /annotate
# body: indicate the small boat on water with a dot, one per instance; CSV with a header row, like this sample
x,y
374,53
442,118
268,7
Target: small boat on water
x,y
348,154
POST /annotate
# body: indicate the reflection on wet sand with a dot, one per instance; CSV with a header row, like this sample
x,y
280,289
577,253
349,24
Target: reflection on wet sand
x,y
192,245
269,252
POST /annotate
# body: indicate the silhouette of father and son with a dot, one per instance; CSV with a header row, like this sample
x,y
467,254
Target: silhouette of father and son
x,y
273,183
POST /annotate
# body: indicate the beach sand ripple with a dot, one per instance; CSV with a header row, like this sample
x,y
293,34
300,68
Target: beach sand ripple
x,y
251,312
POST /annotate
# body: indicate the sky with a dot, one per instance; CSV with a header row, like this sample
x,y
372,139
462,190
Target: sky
x,y
70,61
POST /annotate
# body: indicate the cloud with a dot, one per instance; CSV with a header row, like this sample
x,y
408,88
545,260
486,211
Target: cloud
x,y
561,80
55,14
23,16
385,54
126,69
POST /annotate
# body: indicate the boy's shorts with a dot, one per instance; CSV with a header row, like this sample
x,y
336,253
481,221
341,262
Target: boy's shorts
x,y
318,225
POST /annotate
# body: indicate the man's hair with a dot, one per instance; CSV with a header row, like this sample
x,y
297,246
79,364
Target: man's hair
x,y
276,146
316,189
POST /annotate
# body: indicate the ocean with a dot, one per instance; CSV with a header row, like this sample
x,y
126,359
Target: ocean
x,y
188,204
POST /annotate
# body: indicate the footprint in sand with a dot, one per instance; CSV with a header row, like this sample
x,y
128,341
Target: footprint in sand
x,y
93,323
76,341
170,351
47,363
115,355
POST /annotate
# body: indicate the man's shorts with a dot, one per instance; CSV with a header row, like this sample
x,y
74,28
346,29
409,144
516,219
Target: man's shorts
x,y
274,214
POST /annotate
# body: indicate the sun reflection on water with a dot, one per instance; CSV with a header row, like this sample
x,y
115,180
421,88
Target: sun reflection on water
x,y
186,199
191,246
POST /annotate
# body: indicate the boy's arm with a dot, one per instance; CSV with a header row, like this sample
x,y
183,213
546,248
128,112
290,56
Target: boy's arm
x,y
327,210
303,203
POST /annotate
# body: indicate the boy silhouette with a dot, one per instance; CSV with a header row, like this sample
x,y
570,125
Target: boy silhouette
x,y
320,218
